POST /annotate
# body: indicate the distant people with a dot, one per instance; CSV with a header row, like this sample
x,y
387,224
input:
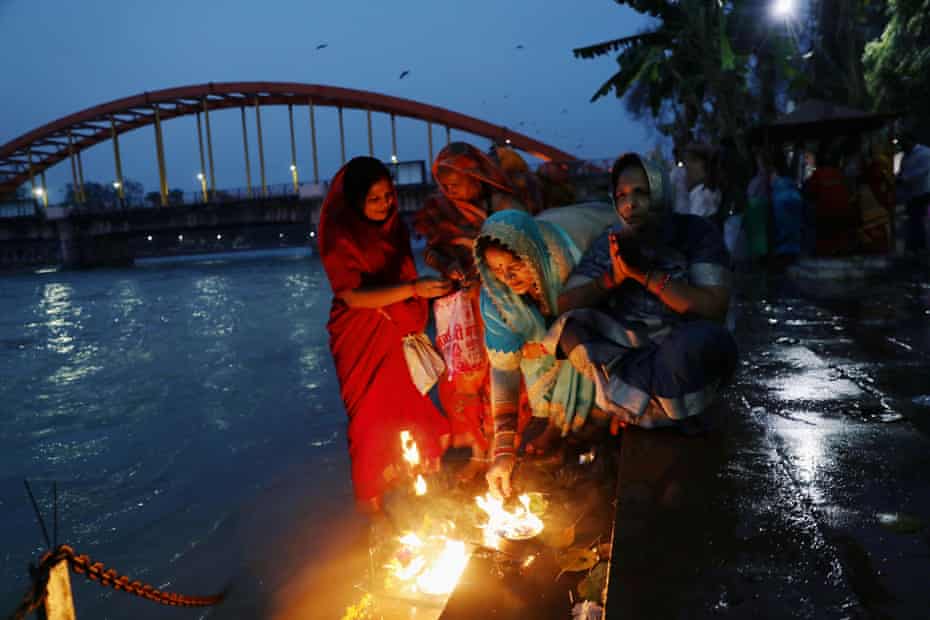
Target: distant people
x,y
523,263
525,183
377,300
702,178
758,207
787,214
913,190
875,194
835,217
645,308
557,187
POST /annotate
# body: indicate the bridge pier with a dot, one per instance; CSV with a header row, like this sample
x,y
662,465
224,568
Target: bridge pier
x,y
86,251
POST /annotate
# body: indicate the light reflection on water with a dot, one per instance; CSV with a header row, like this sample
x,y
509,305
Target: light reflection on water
x,y
163,400
810,378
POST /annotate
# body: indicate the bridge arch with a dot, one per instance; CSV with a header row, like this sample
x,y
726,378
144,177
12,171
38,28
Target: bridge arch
x,y
29,155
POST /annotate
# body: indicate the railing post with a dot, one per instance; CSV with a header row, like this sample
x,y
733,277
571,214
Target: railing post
x,y
44,190
429,133
77,190
80,167
206,118
245,148
371,141
290,118
261,146
393,136
448,135
316,167
120,192
32,177
342,138
203,171
59,602
160,154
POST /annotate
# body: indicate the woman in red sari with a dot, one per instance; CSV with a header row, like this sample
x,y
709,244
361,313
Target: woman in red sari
x,y
377,300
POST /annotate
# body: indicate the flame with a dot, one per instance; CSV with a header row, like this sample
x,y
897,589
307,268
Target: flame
x,y
431,567
520,524
442,575
409,446
420,485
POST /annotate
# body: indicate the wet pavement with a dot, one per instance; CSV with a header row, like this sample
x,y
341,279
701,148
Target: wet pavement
x,y
808,496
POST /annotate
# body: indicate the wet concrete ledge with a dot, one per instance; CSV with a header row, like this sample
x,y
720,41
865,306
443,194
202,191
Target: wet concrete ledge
x,y
845,268
706,526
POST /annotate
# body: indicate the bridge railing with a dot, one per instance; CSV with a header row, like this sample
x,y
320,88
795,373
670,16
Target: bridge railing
x,y
581,173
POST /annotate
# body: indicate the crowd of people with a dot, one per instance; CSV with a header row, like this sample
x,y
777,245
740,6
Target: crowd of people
x,y
591,315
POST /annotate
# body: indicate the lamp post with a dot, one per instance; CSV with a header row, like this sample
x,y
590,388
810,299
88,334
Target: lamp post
x,y
40,194
294,178
203,185
116,187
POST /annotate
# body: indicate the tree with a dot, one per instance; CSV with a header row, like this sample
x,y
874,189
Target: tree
x,y
104,195
897,64
684,72
841,30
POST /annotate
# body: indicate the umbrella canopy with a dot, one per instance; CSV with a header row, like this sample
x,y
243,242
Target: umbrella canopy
x,y
819,119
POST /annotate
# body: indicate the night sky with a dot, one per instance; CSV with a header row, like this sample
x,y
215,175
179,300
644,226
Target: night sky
x,y
64,56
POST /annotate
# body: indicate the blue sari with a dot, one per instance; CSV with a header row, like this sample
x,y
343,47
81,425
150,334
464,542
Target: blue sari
x,y
555,389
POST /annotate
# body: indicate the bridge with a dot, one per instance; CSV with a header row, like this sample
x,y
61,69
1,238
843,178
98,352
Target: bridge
x,y
75,236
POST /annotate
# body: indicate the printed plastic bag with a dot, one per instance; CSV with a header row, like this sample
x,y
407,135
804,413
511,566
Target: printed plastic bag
x,y
423,361
458,333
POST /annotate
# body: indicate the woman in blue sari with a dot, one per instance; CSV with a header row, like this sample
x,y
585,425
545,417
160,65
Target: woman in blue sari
x,y
523,264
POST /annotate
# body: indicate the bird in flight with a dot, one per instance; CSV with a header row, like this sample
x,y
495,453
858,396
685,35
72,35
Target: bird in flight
x,y
519,46
403,74
322,45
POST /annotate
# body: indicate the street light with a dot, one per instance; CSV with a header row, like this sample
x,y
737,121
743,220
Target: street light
x,y
294,177
393,158
116,185
783,8
203,185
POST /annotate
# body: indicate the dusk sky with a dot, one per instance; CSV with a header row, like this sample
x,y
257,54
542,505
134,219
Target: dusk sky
x,y
65,56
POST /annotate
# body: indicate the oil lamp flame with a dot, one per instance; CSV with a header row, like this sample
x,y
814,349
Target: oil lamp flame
x,y
520,524
409,446
432,567
419,486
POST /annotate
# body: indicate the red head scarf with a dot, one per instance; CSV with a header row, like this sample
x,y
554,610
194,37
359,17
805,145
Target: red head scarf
x,y
354,249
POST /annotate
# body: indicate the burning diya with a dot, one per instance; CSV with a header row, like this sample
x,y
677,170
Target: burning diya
x,y
518,524
432,566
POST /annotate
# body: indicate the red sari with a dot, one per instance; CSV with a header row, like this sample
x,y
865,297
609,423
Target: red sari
x,y
366,343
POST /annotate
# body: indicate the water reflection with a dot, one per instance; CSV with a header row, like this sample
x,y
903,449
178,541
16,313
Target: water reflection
x,y
58,311
810,378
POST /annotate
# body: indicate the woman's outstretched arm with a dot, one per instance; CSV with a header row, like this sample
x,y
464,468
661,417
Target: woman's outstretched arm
x,y
378,296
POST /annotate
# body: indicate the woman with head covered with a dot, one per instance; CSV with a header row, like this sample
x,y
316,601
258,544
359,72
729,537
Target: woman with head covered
x,y
524,262
377,300
472,187
645,307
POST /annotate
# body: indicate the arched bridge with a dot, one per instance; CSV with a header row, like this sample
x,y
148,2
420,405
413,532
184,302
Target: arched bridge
x,y
26,158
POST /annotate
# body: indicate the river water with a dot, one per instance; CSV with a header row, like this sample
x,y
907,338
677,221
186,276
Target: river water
x,y
190,414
